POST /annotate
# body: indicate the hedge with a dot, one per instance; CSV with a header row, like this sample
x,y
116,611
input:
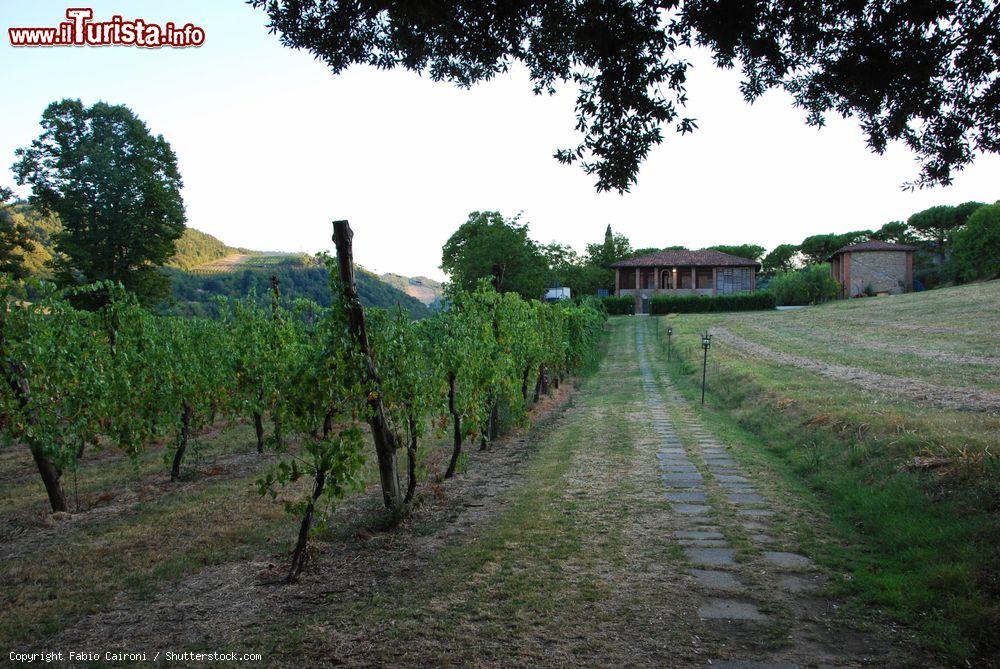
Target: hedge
x,y
619,306
669,304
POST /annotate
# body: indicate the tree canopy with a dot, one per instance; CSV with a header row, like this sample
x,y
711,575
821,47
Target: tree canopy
x,y
487,246
752,251
977,245
924,73
116,189
935,225
818,248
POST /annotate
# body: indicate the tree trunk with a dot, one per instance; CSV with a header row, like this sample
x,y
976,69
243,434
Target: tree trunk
x,y
182,441
457,426
16,377
495,420
543,381
328,423
524,384
50,478
385,440
258,426
279,439
411,460
299,554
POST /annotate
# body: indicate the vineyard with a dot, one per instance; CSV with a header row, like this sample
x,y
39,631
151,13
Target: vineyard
x,y
121,378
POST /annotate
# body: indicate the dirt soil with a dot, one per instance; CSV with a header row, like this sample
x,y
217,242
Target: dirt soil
x,y
221,606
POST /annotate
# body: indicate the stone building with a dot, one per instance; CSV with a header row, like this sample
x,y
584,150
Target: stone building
x,y
683,273
882,267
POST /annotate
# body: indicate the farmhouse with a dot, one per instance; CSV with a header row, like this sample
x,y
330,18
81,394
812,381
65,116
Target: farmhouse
x,y
683,273
882,267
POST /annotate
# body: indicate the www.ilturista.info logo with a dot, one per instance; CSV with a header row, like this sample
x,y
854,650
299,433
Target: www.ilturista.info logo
x,y
81,30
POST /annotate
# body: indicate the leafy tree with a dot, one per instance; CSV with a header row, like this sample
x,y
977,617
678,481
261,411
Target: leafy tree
x,y
937,224
14,242
977,245
810,285
780,259
897,232
912,71
645,251
615,247
487,246
752,251
568,269
818,248
116,189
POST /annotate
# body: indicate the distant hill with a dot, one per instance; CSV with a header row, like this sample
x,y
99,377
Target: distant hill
x,y
423,288
195,290
196,248
205,268
41,228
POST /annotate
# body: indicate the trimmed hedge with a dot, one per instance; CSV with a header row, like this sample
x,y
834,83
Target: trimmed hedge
x,y
687,304
619,306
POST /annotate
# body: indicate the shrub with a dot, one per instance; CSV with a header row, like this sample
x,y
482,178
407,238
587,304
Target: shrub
x,y
680,304
976,247
619,306
810,285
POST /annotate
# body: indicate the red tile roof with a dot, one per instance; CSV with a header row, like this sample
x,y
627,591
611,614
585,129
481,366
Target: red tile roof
x,y
874,245
687,258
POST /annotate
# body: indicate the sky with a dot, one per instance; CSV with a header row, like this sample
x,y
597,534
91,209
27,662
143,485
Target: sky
x,y
272,147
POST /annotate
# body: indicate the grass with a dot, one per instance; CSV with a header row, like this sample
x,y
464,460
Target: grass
x,y
918,545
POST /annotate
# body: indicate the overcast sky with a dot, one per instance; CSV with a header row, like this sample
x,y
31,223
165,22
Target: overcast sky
x,y
272,147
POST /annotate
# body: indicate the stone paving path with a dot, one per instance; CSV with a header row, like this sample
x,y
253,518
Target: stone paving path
x,y
754,595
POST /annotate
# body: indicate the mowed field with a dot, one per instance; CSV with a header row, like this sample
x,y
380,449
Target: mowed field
x,y
888,411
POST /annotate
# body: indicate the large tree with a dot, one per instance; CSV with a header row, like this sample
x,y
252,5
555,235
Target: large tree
x,y
487,246
977,245
752,251
116,188
937,225
780,259
817,249
924,73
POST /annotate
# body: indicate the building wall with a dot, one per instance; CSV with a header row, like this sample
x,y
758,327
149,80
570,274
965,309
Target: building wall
x,y
884,271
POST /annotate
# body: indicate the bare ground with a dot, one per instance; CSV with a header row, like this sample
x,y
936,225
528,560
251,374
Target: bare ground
x,y
221,606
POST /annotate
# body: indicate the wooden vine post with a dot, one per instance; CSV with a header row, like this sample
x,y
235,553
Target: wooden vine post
x,y
384,438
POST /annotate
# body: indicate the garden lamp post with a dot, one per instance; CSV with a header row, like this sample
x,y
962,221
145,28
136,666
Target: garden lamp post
x,y
706,342
670,332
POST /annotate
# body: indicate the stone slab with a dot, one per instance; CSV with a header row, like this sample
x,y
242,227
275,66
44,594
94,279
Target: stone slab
x,y
731,478
788,560
755,513
792,583
716,580
692,509
698,534
682,476
729,609
712,557
684,496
